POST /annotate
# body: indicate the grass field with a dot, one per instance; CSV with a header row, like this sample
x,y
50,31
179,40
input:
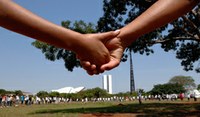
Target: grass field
x,y
147,109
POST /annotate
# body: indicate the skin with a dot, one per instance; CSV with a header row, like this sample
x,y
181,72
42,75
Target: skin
x,y
159,14
115,49
88,47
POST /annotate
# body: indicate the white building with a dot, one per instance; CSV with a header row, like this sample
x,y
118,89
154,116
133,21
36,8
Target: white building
x,y
107,83
69,90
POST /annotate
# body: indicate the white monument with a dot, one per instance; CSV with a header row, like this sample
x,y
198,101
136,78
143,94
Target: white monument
x,y
107,83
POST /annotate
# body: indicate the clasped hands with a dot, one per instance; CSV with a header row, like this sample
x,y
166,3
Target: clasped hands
x,y
104,52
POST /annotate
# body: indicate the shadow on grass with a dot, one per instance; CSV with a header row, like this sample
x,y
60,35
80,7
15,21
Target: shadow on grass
x,y
147,109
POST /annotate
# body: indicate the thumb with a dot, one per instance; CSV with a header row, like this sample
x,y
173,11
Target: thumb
x,y
109,35
110,65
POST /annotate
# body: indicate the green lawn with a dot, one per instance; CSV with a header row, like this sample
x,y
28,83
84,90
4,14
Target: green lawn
x,y
148,108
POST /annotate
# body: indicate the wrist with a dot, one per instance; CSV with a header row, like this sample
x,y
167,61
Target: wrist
x,y
127,39
78,43
68,39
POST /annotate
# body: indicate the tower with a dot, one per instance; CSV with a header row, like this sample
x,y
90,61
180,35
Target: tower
x,y
107,83
132,82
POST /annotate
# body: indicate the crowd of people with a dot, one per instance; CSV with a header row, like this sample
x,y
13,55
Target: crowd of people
x,y
16,100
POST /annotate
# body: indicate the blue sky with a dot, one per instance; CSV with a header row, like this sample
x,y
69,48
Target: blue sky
x,y
23,67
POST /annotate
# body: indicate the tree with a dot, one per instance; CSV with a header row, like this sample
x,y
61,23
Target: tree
x,y
3,91
141,91
198,87
94,93
70,95
186,81
53,53
167,89
181,36
18,92
98,92
54,94
42,94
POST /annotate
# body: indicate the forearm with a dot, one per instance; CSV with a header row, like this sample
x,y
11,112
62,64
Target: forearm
x,y
20,20
159,14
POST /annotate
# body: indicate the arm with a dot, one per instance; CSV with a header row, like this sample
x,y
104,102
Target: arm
x,y
20,20
89,47
159,14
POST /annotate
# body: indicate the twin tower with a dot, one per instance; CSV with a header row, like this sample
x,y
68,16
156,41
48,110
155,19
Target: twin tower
x,y
107,83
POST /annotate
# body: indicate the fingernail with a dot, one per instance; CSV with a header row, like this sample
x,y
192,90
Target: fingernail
x,y
117,31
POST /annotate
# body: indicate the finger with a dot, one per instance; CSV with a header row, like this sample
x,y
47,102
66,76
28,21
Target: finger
x,y
90,73
85,64
109,35
88,66
93,67
96,72
100,70
110,65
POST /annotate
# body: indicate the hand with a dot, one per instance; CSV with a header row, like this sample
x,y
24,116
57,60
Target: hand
x,y
94,51
116,48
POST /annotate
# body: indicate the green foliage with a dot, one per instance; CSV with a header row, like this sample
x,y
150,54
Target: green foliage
x,y
141,91
167,89
42,94
181,36
73,96
89,93
198,87
64,95
54,94
18,92
53,53
93,93
126,94
186,81
2,92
